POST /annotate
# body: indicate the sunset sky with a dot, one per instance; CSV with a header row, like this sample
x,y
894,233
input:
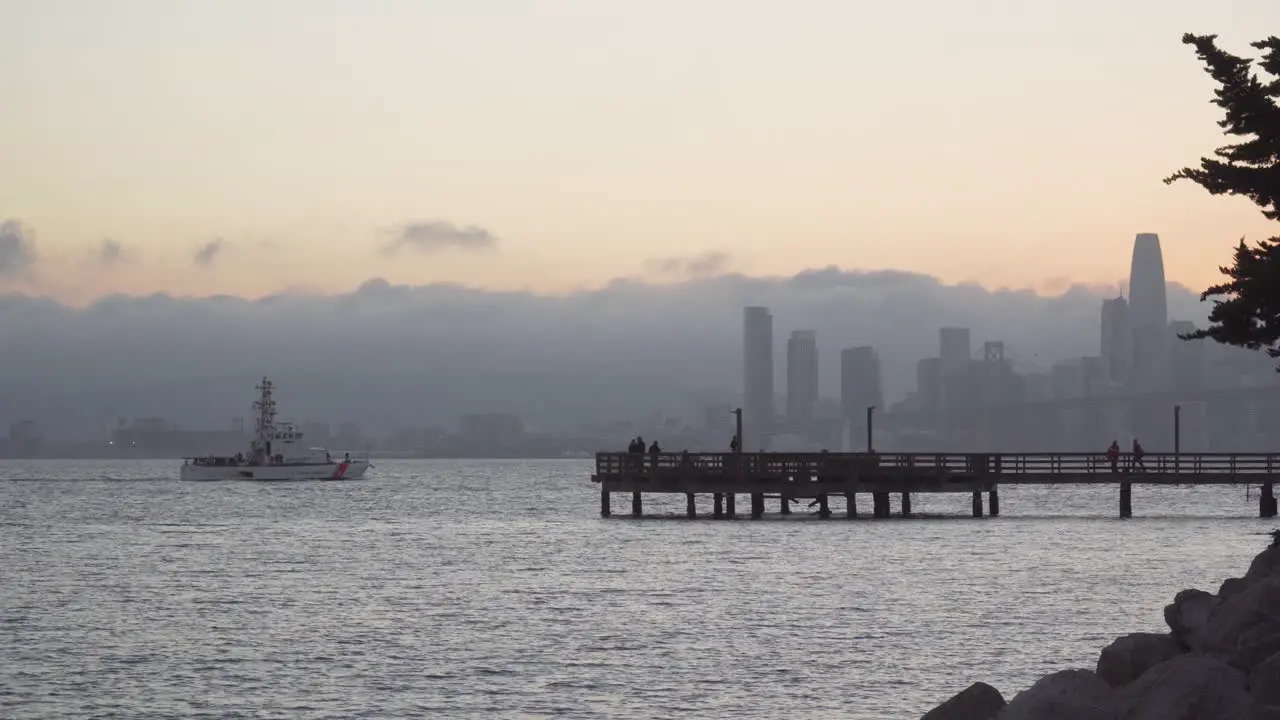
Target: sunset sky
x,y
313,144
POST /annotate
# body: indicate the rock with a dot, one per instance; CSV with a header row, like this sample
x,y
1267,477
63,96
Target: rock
x,y
1187,686
1264,681
1065,695
1125,659
1239,615
1266,564
1255,645
1188,617
1232,586
979,701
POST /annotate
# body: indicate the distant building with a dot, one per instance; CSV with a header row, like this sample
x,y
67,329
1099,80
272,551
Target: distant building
x,y
1148,313
860,381
757,381
955,354
1117,340
496,429
1188,359
929,383
802,379
157,438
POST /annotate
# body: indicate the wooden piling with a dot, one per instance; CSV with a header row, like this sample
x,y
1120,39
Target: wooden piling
x,y
1267,501
1126,499
690,506
880,505
717,511
730,506
784,506
851,505
604,502
993,501
635,504
757,506
906,504
823,510
977,503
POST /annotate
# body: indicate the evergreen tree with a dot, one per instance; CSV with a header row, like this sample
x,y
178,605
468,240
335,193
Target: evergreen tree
x,y
1246,307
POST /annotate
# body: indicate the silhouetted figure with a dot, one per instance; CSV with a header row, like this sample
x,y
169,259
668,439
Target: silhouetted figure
x,y
733,444
1138,452
1113,455
654,449
631,447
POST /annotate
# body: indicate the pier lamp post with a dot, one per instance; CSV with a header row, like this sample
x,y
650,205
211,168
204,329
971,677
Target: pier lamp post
x,y
737,414
1177,434
870,412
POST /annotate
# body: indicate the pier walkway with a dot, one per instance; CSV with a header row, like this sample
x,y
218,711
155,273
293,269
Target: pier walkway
x,y
817,476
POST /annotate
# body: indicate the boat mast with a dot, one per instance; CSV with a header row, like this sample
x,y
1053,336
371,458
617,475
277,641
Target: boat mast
x,y
265,408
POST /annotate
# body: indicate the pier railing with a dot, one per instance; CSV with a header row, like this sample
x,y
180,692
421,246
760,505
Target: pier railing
x,y
792,464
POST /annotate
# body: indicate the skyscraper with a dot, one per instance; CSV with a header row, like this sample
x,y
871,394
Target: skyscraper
x,y
1148,313
859,389
859,380
757,385
802,378
1117,340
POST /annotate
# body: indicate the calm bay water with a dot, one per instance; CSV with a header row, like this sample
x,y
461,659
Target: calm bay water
x,y
475,589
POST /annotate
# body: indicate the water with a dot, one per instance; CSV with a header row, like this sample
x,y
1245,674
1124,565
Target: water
x,y
481,589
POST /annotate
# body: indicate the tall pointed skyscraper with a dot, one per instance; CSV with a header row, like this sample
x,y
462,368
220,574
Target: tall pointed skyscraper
x,y
1148,313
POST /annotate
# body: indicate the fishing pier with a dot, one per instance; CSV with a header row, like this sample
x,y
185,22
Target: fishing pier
x,y
788,477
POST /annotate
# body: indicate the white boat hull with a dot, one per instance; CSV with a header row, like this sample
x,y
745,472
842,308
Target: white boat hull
x,y
353,470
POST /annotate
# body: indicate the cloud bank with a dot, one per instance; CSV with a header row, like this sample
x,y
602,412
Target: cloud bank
x,y
391,356
17,249
439,235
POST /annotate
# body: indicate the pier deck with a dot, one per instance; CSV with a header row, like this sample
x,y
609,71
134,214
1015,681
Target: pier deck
x,y
820,475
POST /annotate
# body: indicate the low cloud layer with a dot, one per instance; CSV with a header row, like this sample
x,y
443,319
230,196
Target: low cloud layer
x,y
694,266
390,356
208,253
17,249
440,235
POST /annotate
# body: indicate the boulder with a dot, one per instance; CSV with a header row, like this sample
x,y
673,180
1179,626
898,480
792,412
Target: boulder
x,y
979,701
1255,645
1232,586
1266,564
1065,695
1188,617
1125,659
1202,687
1239,615
1264,681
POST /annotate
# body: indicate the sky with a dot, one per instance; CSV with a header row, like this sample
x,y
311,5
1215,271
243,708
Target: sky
x,y
249,148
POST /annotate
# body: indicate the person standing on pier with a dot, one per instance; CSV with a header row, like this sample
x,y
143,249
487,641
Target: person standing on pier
x,y
1138,452
1113,455
654,451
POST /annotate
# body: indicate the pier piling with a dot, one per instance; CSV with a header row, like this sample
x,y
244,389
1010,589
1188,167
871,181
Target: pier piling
x,y
635,504
977,503
906,504
717,511
1267,501
690,506
993,502
1126,499
730,506
757,506
851,505
604,502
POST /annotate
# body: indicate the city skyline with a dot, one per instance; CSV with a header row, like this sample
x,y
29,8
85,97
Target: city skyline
x,y
224,148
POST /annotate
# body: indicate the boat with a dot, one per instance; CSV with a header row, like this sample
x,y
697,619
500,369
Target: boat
x,y
277,452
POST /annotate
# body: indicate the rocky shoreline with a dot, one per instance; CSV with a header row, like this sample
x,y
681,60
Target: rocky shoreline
x,y
1220,660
